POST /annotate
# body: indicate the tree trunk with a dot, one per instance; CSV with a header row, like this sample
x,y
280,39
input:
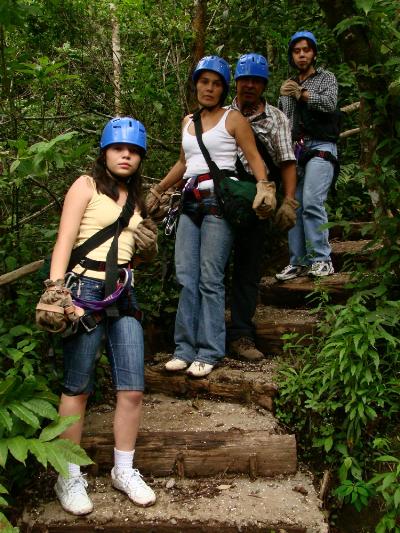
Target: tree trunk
x,y
116,53
198,49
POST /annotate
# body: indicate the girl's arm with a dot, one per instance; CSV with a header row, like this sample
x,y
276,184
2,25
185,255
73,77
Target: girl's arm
x,y
75,203
239,127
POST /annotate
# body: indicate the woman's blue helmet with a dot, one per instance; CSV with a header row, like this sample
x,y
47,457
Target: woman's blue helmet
x,y
303,34
124,130
252,65
215,64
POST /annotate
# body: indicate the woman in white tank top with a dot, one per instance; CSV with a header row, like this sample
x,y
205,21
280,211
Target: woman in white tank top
x,y
204,238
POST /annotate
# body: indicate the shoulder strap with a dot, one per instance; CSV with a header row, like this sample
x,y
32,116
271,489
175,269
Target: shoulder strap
x,y
103,235
215,172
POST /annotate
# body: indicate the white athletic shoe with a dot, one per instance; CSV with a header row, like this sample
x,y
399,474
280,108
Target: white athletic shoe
x,y
291,272
73,496
130,481
319,269
198,369
175,364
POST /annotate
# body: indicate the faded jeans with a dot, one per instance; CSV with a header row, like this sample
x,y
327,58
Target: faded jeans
x,y
201,254
307,242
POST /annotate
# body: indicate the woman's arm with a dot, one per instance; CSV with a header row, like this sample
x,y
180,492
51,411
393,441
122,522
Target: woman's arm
x,y
75,203
239,127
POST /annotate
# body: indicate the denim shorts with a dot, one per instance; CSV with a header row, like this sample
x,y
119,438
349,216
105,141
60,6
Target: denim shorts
x,y
123,339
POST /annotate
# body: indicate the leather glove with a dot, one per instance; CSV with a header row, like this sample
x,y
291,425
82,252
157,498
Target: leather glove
x,y
157,202
285,217
145,235
55,308
264,202
291,88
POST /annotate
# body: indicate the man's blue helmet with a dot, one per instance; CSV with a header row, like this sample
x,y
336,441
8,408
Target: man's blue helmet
x,y
303,34
124,130
252,65
215,64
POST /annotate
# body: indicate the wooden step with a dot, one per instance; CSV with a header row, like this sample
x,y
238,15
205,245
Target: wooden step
x,y
273,322
346,252
222,505
232,381
196,439
294,293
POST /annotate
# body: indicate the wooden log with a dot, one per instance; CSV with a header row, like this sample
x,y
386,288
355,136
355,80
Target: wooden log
x,y
293,293
226,383
202,453
21,272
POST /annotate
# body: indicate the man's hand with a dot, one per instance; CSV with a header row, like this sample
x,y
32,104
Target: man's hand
x,y
264,202
291,88
285,218
145,235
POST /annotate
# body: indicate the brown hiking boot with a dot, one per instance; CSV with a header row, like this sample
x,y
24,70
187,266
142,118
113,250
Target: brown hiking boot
x,y
245,347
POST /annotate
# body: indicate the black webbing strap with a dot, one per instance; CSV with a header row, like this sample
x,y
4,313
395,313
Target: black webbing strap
x,y
216,174
101,236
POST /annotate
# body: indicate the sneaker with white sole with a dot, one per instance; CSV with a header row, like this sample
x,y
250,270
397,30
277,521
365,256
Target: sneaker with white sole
x,y
73,496
319,269
175,364
131,482
291,272
198,369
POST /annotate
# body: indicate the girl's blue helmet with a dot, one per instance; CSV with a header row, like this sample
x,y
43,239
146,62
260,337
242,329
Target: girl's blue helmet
x,y
215,64
124,130
303,34
252,65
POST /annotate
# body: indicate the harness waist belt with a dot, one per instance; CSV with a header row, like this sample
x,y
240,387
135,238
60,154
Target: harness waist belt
x,y
98,266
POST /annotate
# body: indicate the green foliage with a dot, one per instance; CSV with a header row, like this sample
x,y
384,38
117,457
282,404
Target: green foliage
x,y
26,406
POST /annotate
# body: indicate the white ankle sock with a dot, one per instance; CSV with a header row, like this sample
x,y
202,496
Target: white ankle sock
x,y
73,470
123,460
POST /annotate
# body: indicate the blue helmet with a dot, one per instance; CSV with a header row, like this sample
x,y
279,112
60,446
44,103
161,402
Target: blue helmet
x,y
215,64
124,130
303,34
252,65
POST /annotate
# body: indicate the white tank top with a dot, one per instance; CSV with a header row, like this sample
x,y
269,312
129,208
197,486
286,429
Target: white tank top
x,y
220,144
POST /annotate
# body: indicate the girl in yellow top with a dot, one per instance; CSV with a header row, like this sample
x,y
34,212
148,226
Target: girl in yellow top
x,y
93,203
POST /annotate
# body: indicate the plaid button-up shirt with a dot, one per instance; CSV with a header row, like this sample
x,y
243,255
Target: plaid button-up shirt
x,y
322,88
272,128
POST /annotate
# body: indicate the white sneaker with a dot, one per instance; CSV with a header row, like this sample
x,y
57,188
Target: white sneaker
x,y
130,481
72,495
199,369
291,272
175,364
319,269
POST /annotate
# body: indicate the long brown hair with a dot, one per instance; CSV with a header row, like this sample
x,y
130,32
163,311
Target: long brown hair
x,y
107,184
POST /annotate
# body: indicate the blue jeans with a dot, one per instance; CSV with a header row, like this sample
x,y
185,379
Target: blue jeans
x,y
201,254
307,242
123,340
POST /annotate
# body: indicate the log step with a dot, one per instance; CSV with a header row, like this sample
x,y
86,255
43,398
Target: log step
x,y
232,381
293,293
358,251
197,438
218,504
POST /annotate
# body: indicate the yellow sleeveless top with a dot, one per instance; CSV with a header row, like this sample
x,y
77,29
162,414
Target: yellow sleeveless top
x,y
100,213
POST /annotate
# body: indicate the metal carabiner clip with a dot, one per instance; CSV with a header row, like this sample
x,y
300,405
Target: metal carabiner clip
x,y
171,217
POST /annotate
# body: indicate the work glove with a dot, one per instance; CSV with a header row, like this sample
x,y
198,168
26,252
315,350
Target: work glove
x,y
285,217
55,309
157,202
291,88
145,235
264,202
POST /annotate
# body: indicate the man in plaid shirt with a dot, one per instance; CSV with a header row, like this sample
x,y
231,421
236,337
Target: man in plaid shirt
x,y
309,100
272,131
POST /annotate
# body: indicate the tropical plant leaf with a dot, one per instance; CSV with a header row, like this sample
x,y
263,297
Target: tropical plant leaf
x,y
18,447
57,427
42,408
24,414
38,449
